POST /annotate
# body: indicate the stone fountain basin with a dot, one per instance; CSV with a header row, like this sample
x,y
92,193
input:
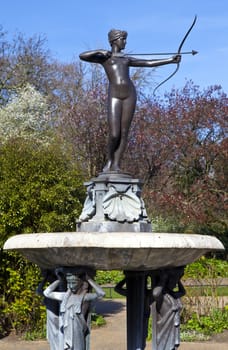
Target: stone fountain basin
x,y
112,251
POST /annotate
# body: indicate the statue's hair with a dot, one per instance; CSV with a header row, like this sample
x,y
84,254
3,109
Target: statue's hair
x,y
115,34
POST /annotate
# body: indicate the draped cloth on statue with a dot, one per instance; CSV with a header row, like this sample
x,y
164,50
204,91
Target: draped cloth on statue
x,y
73,325
166,324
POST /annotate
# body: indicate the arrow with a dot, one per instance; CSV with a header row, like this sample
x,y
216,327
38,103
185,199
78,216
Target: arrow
x,y
193,52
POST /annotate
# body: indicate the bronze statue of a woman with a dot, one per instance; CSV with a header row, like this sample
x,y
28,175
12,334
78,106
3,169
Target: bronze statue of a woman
x,y
121,93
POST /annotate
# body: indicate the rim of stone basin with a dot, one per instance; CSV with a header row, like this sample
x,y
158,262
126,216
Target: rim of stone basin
x,y
113,251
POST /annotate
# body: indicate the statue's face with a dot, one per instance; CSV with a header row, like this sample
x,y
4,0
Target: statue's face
x,y
73,283
120,43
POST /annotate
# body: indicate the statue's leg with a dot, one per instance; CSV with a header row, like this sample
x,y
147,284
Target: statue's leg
x,y
127,115
114,123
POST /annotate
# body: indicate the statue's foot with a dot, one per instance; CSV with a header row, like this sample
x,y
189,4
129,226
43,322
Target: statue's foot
x,y
107,167
111,167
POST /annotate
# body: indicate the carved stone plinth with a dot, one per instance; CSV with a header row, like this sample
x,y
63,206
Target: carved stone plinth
x,y
114,204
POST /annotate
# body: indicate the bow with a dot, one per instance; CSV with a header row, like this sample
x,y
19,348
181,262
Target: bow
x,y
178,53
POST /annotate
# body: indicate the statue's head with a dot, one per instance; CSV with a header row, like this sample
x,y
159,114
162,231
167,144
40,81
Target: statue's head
x,y
74,282
116,34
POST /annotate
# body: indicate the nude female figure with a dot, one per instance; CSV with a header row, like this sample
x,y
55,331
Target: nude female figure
x,y
121,93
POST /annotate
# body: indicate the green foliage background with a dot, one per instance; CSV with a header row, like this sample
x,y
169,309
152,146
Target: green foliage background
x,y
41,191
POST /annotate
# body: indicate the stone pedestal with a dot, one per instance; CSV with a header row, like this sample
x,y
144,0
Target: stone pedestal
x,y
114,204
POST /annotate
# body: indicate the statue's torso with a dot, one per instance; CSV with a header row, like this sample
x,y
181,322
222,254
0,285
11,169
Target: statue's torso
x,y
117,70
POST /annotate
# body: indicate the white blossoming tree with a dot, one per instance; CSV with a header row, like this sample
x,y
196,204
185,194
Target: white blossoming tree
x,y
26,115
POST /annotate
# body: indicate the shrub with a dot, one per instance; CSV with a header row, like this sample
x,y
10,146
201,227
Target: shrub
x,y
215,322
109,277
23,307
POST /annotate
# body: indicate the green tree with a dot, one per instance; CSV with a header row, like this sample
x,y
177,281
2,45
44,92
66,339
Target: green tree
x,y
41,188
41,191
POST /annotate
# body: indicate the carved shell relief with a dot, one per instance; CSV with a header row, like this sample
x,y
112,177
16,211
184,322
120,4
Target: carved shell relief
x,y
122,205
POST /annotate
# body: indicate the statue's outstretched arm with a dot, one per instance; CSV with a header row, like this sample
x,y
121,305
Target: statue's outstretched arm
x,y
95,56
137,62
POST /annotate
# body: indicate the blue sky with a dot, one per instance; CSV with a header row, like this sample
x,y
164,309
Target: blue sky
x,y
73,26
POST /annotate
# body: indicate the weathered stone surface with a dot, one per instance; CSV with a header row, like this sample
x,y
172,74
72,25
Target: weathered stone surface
x,y
120,250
